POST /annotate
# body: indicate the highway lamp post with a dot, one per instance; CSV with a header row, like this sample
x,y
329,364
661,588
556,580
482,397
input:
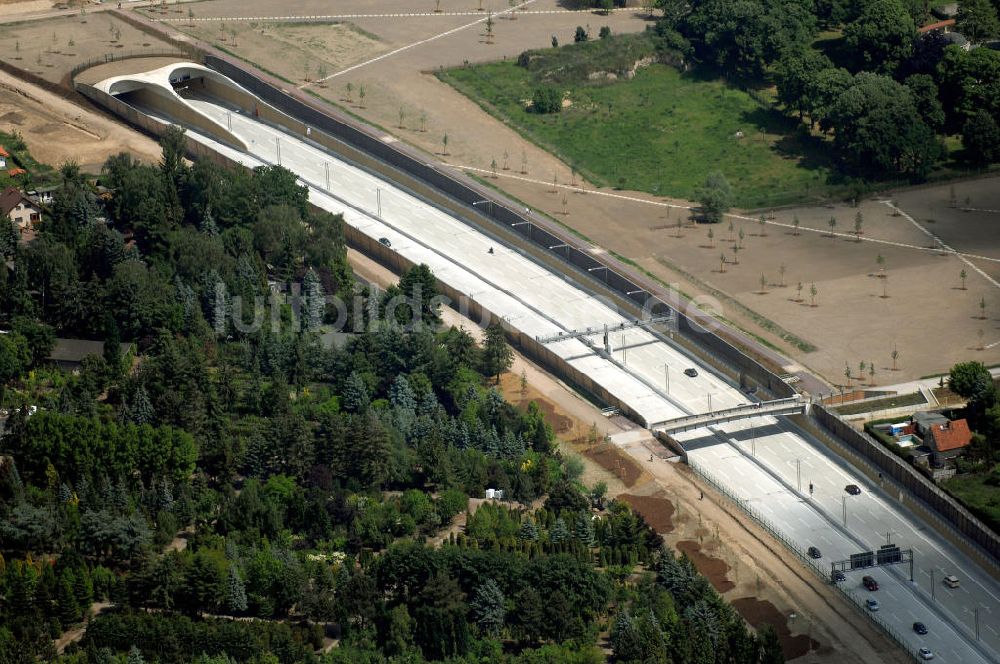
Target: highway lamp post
x,y
326,167
933,587
666,374
709,402
844,502
798,474
378,201
753,438
624,351
976,615
488,202
229,120
277,147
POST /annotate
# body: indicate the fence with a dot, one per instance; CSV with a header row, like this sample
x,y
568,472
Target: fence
x,y
949,511
774,531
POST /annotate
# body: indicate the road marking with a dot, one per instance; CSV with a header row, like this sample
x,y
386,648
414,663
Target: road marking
x,y
942,243
328,17
414,44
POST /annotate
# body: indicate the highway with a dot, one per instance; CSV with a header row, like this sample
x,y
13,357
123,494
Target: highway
x,y
756,460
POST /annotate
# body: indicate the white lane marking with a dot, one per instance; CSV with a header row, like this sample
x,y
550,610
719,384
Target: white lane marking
x,y
941,243
414,44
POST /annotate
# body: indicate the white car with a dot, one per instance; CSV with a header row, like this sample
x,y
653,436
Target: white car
x,y
925,654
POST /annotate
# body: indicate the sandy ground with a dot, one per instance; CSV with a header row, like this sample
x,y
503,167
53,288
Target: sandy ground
x,y
853,322
746,565
57,130
51,47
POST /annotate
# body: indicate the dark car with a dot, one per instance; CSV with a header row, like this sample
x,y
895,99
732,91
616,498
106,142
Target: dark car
x,y
814,552
839,577
691,372
852,489
385,241
870,583
919,628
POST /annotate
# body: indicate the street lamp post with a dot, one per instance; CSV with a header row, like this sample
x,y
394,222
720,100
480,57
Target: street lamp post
x,y
666,373
798,474
277,147
326,166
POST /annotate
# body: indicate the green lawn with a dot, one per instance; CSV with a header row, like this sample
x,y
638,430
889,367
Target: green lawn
x,y
982,498
37,175
661,131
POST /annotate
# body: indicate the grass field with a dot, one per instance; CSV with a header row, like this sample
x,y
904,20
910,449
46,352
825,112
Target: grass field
x,y
982,498
661,131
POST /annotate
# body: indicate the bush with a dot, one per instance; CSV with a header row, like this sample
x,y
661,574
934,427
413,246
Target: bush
x,y
581,34
546,100
605,32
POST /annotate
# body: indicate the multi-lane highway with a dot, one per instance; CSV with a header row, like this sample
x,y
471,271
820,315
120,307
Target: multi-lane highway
x,y
765,463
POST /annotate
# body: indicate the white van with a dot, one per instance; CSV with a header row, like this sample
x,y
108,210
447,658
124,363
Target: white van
x,y
951,581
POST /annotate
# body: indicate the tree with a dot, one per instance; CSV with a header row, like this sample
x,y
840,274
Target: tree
x,y
879,131
528,531
832,223
895,356
580,35
963,276
715,197
236,594
355,397
604,33
313,301
882,36
977,20
926,98
559,532
487,607
973,381
812,295
135,656
859,222
981,139
497,355
794,74
798,292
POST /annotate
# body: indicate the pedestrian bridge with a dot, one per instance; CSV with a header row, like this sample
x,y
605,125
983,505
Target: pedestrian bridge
x,y
791,406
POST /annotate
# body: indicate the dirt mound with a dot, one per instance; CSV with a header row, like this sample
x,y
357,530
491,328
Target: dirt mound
x,y
612,459
759,613
655,509
713,569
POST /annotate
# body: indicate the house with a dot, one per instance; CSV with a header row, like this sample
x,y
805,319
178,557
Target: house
x,y
923,421
957,39
948,440
944,26
68,354
20,209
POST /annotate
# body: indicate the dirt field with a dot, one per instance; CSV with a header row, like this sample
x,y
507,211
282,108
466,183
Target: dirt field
x,y
297,52
852,323
49,48
57,131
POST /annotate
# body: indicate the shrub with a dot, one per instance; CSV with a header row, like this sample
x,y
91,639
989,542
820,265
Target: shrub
x,y
546,100
581,34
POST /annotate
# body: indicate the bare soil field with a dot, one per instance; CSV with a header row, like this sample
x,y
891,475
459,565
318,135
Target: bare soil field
x,y
57,130
50,48
297,52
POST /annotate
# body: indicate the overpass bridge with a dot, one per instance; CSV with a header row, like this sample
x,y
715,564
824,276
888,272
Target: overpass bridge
x,y
791,406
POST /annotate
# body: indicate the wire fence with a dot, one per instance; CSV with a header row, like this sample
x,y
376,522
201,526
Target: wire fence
x,y
791,545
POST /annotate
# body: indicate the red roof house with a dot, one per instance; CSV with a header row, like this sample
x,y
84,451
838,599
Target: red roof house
x,y
949,439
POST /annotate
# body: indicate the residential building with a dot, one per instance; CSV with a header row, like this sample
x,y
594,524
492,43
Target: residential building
x,y
20,209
